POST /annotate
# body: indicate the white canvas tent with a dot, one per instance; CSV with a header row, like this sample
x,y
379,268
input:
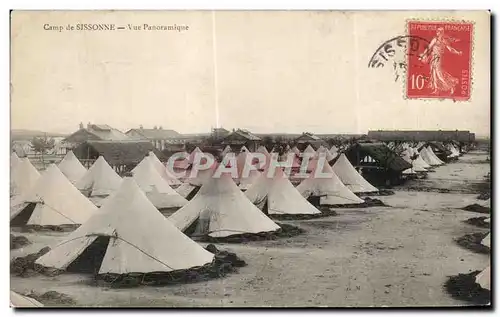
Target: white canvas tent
x,y
485,203
244,149
193,154
420,164
21,301
310,151
226,150
350,177
329,156
487,241
280,195
431,152
136,237
246,174
454,152
484,279
295,150
220,210
53,200
99,180
428,158
14,160
71,167
161,169
331,189
156,187
416,167
23,177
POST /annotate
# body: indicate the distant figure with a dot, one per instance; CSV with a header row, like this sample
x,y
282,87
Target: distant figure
x,y
440,80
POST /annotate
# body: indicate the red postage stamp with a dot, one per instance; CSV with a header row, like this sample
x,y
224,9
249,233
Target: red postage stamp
x,y
442,67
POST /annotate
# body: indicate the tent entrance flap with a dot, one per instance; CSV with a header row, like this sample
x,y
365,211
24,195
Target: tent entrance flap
x,y
203,223
314,200
90,260
22,218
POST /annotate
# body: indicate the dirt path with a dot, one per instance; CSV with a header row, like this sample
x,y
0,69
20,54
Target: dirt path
x,y
395,256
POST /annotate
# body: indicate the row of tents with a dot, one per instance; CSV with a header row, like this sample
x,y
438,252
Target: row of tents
x,y
129,223
71,179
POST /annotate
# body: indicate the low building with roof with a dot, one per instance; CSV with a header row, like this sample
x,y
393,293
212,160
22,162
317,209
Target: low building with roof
x,y
377,163
308,138
159,137
422,135
241,137
93,132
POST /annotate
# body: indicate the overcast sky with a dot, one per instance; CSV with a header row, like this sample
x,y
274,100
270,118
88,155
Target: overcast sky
x,y
264,71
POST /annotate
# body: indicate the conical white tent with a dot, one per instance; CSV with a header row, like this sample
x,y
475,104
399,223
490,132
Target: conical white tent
x,y
246,174
71,167
407,157
23,177
156,187
295,159
295,150
193,154
100,179
487,241
485,203
329,156
161,169
279,194
21,301
453,150
244,149
226,150
56,202
262,149
198,176
428,158
14,160
350,177
431,153
222,210
331,189
334,149
420,164
309,150
484,279
141,239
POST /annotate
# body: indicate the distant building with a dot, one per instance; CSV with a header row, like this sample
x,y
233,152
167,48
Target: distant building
x,y
417,136
95,132
308,138
241,137
219,133
159,137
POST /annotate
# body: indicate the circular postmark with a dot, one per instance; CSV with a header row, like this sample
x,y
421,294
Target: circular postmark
x,y
395,52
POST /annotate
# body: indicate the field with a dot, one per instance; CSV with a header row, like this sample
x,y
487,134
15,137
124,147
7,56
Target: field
x,y
380,256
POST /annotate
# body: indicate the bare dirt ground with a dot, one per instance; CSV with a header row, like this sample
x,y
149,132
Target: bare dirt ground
x,y
379,256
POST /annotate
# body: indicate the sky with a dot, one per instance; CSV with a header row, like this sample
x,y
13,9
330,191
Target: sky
x,y
269,72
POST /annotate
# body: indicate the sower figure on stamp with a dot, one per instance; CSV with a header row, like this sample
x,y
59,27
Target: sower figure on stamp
x,y
440,80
